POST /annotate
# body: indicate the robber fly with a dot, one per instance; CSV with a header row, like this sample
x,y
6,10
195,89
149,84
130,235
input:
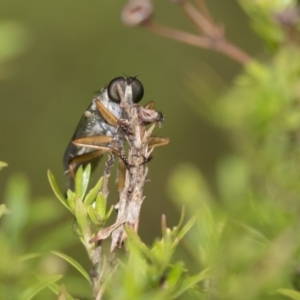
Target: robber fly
x,y
101,125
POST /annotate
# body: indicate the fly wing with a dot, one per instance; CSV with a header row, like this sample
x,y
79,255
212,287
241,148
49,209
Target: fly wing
x,y
92,123
89,125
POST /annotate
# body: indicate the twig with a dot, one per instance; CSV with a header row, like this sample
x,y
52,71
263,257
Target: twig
x,y
140,13
219,45
131,197
206,26
96,269
201,5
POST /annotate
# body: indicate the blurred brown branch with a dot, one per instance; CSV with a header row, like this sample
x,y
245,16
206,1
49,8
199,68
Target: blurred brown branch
x,y
140,13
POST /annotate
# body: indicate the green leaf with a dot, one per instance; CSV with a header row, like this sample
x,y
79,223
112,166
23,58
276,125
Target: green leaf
x,y
186,228
28,256
79,181
190,282
55,288
39,286
16,197
82,178
178,227
85,179
92,194
57,191
70,194
100,207
181,220
135,241
289,293
71,200
74,263
92,215
109,213
3,164
96,219
3,210
175,274
82,219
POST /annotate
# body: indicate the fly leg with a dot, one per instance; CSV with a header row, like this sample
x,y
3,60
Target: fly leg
x,y
85,142
104,143
111,119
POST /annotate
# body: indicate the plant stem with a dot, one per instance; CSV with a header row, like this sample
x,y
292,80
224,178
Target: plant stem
x,y
217,44
131,197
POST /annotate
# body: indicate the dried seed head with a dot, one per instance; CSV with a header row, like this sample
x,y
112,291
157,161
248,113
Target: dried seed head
x,y
149,116
137,12
289,17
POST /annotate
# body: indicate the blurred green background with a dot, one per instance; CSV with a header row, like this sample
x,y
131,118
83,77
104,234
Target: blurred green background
x,y
67,50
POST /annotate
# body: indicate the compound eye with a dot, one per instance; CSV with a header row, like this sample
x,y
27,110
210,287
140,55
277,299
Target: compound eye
x,y
137,89
112,89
